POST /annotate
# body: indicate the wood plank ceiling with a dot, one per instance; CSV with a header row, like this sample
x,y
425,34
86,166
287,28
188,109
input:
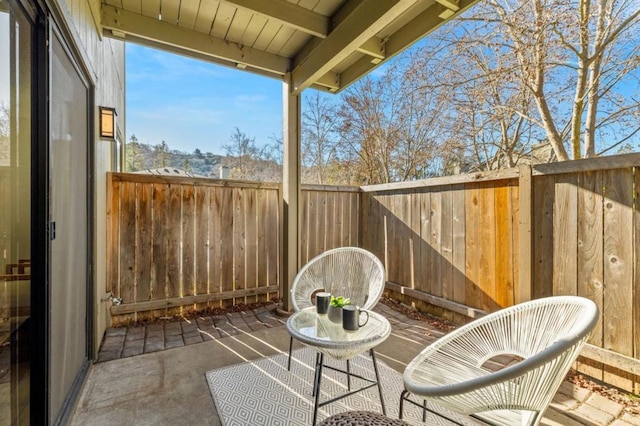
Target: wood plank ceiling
x,y
324,44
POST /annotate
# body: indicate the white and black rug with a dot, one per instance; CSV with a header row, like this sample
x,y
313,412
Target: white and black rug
x,y
263,392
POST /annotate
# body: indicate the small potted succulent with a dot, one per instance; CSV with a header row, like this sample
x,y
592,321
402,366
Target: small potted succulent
x,y
335,308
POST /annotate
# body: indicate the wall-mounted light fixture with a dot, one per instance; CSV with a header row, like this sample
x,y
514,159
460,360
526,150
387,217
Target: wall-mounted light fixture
x,y
108,122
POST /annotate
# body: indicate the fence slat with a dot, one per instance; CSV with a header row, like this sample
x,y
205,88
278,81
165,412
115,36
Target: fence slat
x,y
174,241
188,241
504,260
618,268
251,243
590,251
159,226
543,265
565,234
446,222
143,243
127,241
201,242
460,281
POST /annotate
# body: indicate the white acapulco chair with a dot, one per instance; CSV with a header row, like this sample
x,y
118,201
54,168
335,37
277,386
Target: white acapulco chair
x,y
547,334
347,271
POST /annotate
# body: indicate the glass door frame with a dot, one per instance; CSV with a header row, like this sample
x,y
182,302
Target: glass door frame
x,y
47,19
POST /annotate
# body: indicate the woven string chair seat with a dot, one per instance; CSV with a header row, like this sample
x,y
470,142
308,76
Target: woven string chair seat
x,y
361,418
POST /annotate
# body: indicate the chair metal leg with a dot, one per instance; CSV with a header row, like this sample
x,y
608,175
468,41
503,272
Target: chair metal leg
x,y
348,376
375,368
403,395
290,349
424,411
317,387
315,374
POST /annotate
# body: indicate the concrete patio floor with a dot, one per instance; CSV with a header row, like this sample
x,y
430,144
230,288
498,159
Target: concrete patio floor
x,y
166,385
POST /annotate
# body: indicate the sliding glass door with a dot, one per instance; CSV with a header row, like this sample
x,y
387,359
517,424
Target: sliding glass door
x,y
16,37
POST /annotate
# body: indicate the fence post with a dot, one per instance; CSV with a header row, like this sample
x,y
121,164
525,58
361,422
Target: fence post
x,y
524,291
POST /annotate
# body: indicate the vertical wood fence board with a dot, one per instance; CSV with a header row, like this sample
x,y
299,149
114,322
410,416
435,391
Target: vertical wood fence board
x,y
486,222
274,242
504,288
618,268
215,242
565,238
386,234
262,269
303,232
251,220
447,246
636,276
160,228
406,237
322,223
435,273
227,243
343,200
473,249
365,223
113,235
459,244
174,244
417,243
524,234
143,243
351,220
239,243
514,194
188,241
312,225
128,241
425,281
202,210
390,251
543,266
334,222
590,251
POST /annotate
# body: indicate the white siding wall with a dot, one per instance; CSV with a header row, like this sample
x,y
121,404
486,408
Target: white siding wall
x,y
105,59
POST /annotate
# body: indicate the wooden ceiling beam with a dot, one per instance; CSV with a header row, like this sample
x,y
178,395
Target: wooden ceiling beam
x,y
182,41
365,20
288,14
423,24
373,47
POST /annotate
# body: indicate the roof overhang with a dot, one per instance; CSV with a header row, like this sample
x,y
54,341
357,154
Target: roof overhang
x,y
325,44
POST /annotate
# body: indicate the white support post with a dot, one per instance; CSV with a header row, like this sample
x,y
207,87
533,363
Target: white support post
x,y
290,189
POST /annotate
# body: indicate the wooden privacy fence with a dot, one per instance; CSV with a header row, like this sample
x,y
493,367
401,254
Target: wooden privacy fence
x,y
463,245
180,244
330,219
458,246
177,244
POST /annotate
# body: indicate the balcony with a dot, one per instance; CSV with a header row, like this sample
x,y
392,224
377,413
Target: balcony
x,y
455,247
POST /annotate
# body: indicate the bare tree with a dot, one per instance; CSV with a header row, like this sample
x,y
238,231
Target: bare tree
x,y
319,137
248,161
391,126
575,58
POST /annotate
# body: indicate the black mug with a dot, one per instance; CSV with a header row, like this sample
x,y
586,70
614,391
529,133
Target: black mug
x,y
322,302
351,318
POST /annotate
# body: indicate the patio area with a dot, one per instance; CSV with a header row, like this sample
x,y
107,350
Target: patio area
x,y
164,383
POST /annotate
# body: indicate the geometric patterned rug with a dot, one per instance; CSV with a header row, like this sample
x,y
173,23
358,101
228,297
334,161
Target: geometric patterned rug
x,y
263,392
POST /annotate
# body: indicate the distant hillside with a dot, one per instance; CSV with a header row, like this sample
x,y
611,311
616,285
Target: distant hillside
x,y
141,157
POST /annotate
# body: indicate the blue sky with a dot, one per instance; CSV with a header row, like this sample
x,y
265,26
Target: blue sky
x,y
194,104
